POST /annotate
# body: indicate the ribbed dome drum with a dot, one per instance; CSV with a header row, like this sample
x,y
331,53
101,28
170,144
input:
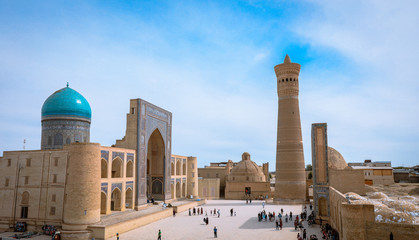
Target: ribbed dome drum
x,y
66,116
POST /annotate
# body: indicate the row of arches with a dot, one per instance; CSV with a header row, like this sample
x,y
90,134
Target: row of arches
x,y
178,190
117,168
116,201
58,139
290,80
176,168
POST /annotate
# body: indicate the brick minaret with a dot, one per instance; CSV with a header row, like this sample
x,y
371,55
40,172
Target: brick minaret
x,y
290,185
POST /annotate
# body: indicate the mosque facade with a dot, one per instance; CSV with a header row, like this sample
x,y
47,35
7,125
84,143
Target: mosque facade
x,y
71,183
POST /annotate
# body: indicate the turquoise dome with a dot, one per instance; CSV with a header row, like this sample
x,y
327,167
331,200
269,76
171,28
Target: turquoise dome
x,y
66,102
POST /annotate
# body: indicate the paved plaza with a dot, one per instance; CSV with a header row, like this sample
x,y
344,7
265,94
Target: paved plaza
x,y
244,225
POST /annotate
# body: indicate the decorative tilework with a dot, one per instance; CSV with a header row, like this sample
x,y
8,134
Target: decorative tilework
x,y
116,185
129,184
118,154
156,112
104,188
104,154
130,157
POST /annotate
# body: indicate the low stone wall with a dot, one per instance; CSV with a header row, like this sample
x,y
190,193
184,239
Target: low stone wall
x,y
378,231
357,221
336,200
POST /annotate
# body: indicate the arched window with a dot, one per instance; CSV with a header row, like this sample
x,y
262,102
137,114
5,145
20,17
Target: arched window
x,y
58,139
130,169
184,169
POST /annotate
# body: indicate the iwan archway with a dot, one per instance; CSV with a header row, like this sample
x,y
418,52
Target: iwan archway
x,y
155,166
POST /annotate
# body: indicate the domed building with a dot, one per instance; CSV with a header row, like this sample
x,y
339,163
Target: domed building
x,y
66,117
335,159
247,180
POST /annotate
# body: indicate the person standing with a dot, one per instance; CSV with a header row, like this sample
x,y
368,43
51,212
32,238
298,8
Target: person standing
x,y
304,234
189,211
117,236
174,212
277,225
280,224
263,204
215,232
231,212
159,235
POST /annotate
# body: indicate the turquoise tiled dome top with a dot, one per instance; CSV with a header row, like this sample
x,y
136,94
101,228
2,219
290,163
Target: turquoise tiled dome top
x,y
66,102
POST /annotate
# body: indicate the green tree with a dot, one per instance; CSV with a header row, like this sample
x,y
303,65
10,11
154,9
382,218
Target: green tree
x,y
309,167
310,175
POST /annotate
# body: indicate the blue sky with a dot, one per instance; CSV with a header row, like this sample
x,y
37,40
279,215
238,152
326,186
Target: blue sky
x,y
211,64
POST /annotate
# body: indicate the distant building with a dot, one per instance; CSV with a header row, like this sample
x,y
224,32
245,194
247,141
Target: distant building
x,y
379,172
221,170
406,175
247,180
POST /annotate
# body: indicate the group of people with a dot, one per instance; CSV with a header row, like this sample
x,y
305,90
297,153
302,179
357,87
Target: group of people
x,y
196,211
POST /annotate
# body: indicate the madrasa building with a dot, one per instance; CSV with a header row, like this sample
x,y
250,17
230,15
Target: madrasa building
x,y
72,183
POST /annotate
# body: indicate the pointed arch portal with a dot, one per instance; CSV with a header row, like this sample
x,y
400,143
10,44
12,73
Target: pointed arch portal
x,y
155,166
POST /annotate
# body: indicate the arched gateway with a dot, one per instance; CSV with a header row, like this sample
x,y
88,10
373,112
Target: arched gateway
x,y
149,132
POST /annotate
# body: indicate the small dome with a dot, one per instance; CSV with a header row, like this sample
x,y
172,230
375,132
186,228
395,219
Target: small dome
x,y
247,170
66,102
335,159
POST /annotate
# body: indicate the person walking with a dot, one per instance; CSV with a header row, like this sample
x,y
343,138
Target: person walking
x,y
280,224
263,204
304,234
189,211
277,225
215,232
174,212
159,235
231,212
117,236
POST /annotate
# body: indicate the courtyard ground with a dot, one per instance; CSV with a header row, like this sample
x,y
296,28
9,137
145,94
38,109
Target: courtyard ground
x,y
244,225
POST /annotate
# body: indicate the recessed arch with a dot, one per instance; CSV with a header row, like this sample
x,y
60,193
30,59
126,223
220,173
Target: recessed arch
x,y
155,165
183,189
178,190
128,198
172,190
116,200
322,206
103,168
130,169
178,167
58,139
172,167
184,168
102,203
117,167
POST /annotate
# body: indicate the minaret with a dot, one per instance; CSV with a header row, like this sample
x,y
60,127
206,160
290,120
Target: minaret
x,y
290,184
